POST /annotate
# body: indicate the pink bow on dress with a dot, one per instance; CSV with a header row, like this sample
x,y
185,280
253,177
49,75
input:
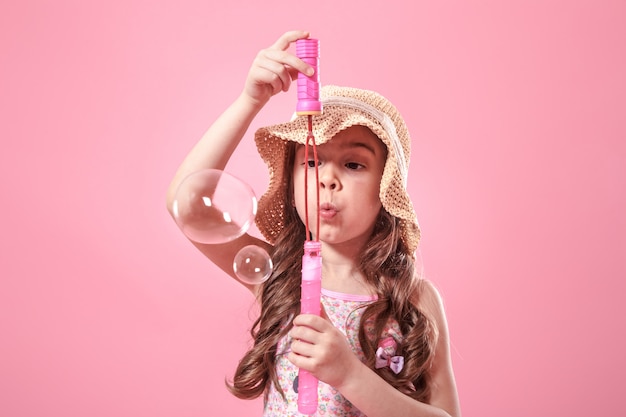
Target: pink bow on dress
x,y
385,355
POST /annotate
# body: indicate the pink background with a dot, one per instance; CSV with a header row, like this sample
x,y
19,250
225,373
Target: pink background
x,y
517,111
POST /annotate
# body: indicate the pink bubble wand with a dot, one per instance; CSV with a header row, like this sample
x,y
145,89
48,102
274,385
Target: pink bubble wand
x,y
309,104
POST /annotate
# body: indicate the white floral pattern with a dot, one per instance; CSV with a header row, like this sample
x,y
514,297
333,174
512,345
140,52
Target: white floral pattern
x,y
344,311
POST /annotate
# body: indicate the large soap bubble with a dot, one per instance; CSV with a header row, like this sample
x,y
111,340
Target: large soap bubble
x,y
212,206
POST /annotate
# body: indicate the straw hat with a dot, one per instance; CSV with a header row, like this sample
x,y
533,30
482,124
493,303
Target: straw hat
x,y
342,107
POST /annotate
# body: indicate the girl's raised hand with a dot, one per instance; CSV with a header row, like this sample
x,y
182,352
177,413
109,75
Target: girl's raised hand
x,y
274,68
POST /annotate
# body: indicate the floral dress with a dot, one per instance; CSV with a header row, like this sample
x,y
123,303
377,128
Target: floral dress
x,y
344,311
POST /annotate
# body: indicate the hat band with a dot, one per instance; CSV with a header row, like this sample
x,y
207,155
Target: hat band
x,y
386,123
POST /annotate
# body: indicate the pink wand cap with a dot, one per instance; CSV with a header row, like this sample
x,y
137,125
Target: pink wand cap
x,y
309,102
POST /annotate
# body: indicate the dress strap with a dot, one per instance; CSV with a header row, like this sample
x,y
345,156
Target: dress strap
x,y
348,297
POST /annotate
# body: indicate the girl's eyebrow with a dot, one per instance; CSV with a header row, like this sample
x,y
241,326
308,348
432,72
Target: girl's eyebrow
x,y
359,145
348,144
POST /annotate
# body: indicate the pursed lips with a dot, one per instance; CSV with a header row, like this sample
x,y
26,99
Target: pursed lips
x,y
328,210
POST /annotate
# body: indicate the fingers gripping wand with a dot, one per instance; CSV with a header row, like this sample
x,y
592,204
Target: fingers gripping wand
x,y
309,104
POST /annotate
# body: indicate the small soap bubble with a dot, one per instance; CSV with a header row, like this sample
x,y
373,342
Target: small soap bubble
x,y
212,206
253,265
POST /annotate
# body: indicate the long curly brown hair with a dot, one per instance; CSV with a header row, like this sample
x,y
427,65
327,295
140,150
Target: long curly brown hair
x,y
387,268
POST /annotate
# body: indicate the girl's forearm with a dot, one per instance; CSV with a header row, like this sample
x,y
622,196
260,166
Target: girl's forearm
x,y
219,142
375,397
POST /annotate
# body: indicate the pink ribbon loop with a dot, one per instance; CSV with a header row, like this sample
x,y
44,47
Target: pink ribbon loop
x,y
385,356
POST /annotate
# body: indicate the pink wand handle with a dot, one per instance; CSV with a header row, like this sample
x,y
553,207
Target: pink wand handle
x,y
310,304
309,102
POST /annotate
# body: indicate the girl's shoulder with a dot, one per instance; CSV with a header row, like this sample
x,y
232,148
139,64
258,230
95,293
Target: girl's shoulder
x,y
428,300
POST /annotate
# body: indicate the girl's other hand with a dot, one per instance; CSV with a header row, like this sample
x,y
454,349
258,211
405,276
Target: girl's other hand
x,y
320,348
274,68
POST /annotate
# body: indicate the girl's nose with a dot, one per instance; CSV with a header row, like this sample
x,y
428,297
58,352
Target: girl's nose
x,y
328,178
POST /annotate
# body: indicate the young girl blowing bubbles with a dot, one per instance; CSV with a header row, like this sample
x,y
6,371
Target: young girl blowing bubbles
x,y
381,346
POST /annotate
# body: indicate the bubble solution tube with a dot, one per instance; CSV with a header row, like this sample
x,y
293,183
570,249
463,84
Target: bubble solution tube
x,y
310,304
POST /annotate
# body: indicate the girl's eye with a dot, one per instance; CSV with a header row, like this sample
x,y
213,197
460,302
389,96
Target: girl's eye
x,y
354,165
311,163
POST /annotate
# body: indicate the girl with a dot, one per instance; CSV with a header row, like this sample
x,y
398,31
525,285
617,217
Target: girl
x,y
381,346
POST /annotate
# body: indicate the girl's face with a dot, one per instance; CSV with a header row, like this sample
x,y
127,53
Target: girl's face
x,y
350,169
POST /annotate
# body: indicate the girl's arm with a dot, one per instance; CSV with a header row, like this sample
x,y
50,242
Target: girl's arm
x,y
327,355
443,385
271,72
